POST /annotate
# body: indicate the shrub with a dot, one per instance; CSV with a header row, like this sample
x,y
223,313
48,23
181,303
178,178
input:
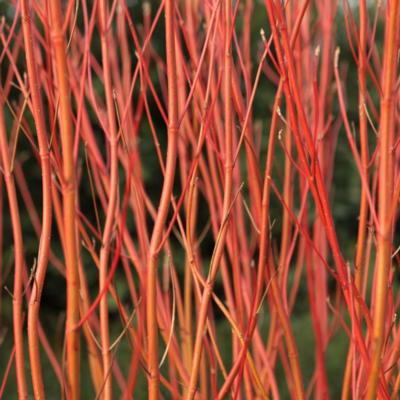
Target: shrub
x,y
201,199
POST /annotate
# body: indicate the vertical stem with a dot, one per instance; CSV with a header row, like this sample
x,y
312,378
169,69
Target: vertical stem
x,y
18,258
112,202
44,246
220,244
362,93
385,190
152,333
359,263
72,335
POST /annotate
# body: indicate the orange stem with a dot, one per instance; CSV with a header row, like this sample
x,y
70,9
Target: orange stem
x,y
385,189
72,335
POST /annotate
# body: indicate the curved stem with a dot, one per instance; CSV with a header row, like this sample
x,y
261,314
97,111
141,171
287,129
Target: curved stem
x,y
19,261
44,246
220,244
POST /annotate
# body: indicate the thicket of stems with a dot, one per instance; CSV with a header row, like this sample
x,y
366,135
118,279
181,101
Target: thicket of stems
x,y
177,165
